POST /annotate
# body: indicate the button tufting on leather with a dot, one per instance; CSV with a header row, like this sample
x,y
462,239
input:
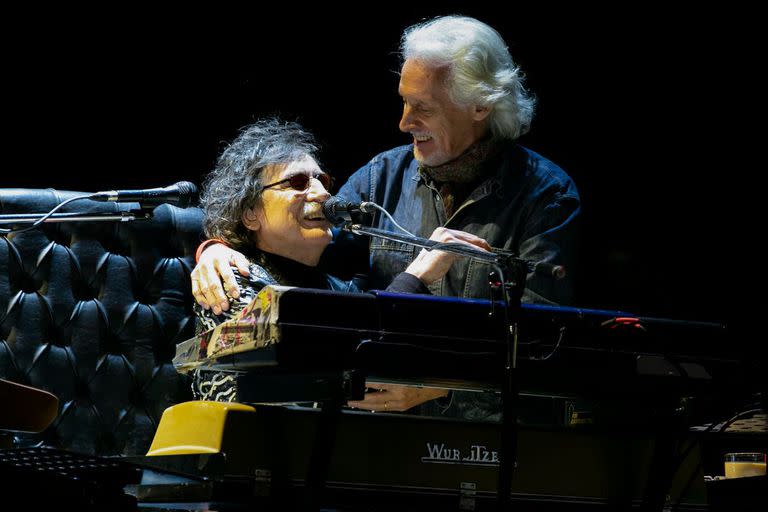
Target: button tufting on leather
x,y
28,283
92,312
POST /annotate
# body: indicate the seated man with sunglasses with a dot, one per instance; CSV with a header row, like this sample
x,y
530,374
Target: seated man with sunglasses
x,y
264,199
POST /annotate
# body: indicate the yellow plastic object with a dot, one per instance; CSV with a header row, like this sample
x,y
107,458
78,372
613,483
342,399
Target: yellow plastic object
x,y
195,427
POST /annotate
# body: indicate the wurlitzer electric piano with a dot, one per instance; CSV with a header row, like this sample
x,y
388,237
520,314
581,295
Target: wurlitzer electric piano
x,y
623,393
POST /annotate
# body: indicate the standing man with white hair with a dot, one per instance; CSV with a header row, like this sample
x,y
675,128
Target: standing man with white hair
x,y
464,104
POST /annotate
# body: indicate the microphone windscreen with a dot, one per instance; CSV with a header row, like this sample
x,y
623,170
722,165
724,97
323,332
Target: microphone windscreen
x,y
188,194
331,212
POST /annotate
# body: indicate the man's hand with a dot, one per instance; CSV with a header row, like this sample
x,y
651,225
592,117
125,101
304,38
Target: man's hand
x,y
429,266
213,270
392,397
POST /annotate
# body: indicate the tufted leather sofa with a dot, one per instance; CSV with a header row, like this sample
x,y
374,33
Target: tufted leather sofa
x,y
92,312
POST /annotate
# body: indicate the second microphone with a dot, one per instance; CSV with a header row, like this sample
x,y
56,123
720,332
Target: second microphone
x,y
337,210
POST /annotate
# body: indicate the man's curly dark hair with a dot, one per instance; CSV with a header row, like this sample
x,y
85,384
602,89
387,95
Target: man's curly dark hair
x,y
235,186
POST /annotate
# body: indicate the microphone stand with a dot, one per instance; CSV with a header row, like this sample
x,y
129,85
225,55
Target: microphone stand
x,y
31,218
495,258
507,288
179,193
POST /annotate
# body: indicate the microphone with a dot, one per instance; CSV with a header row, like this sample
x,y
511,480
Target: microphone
x,y
181,194
336,210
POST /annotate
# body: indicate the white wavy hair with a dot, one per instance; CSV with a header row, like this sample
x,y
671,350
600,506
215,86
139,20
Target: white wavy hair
x,y
481,70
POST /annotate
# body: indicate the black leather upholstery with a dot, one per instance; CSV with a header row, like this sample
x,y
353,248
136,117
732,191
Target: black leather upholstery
x,y
92,312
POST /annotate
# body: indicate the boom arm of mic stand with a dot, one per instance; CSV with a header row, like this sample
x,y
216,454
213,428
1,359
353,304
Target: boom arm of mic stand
x,y
30,218
460,249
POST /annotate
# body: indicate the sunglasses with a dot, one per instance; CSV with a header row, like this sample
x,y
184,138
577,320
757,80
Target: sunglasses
x,y
300,182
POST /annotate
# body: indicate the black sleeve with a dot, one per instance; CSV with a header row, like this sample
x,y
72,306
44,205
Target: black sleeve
x,y
408,283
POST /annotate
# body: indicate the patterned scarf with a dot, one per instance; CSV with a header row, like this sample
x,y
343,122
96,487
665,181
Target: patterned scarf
x,y
456,179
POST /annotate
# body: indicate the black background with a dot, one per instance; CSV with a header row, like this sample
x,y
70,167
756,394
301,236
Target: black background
x,y
647,110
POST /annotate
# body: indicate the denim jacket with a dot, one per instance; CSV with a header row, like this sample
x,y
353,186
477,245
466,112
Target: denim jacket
x,y
529,206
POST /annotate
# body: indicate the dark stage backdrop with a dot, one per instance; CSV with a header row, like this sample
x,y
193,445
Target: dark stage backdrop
x,y
644,109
